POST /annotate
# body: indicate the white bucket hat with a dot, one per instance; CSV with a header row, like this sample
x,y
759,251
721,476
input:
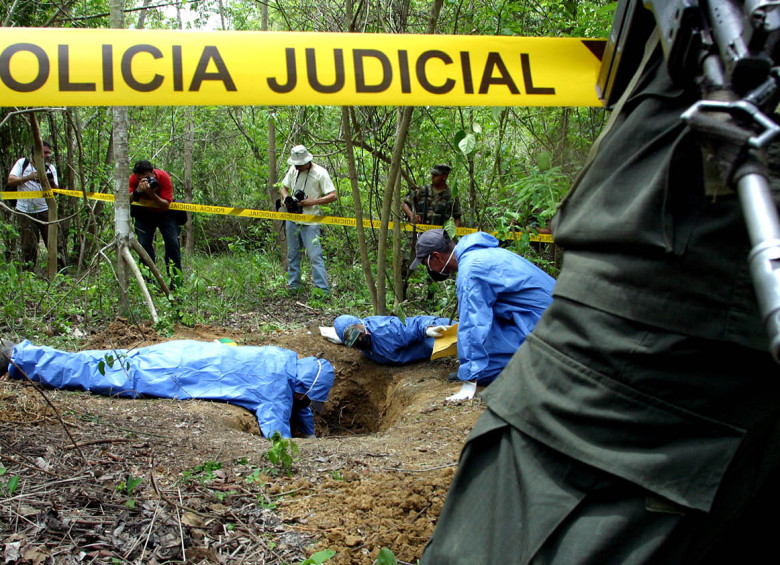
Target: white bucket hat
x,y
299,155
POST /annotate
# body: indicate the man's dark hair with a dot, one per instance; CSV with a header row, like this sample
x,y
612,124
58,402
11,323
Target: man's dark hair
x,y
44,143
142,167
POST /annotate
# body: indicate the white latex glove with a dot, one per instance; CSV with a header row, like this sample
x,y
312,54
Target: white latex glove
x,y
435,331
466,392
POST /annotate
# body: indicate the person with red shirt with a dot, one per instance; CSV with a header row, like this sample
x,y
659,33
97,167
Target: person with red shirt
x,y
153,187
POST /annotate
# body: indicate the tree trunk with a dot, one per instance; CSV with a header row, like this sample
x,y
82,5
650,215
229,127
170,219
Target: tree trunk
x,y
395,167
273,174
361,232
189,143
398,275
40,166
121,194
387,201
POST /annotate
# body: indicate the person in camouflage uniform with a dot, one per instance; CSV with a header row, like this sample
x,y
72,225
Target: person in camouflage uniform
x,y
433,204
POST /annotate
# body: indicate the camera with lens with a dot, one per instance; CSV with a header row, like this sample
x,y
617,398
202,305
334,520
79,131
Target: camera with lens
x,y
50,177
154,184
293,203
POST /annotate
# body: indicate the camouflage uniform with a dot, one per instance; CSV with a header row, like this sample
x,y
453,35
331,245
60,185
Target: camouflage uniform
x,y
434,207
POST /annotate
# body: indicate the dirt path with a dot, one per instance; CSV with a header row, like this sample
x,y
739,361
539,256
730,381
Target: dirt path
x,y
376,477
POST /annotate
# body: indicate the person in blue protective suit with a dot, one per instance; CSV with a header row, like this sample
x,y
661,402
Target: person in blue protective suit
x,y
388,340
270,381
501,297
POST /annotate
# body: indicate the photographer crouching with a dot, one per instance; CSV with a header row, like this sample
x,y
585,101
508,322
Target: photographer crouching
x,y
153,187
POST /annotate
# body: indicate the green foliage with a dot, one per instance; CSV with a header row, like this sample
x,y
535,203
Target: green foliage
x,y
318,298
282,453
8,486
222,495
202,473
319,557
531,202
386,557
127,487
256,476
109,359
237,261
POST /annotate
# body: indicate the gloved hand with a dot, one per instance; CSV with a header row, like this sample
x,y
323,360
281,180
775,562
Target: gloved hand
x,y
436,331
466,392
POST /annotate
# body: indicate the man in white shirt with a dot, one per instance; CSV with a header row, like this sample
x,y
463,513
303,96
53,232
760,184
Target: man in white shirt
x,y
305,187
24,177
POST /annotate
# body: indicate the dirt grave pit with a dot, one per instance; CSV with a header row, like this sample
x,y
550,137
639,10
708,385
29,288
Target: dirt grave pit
x,y
375,477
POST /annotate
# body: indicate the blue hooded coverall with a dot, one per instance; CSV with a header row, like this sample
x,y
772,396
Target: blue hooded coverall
x,y
394,342
260,379
501,296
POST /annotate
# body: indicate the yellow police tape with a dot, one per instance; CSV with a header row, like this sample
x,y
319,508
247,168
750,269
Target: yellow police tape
x,y
250,213
108,67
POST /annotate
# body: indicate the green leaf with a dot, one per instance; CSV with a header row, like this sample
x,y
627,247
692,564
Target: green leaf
x,y
102,367
476,128
450,227
459,135
468,144
386,557
12,484
319,557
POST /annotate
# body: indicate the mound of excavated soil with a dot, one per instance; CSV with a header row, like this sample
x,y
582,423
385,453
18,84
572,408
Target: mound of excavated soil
x,y
376,476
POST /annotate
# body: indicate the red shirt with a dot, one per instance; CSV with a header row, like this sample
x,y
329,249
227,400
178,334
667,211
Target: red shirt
x,y
165,190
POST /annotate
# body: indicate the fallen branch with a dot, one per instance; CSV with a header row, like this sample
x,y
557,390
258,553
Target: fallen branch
x,y
140,278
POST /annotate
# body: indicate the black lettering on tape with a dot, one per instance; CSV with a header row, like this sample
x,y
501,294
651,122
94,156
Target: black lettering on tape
x,y
494,61
63,63
311,70
211,53
525,61
108,68
5,67
127,68
468,81
403,64
422,77
292,74
178,78
360,78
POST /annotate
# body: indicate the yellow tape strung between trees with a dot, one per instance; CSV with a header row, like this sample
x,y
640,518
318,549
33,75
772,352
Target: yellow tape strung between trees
x,y
101,67
250,213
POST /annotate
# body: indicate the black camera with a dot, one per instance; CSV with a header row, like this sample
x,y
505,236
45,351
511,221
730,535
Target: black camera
x,y
154,184
293,203
50,177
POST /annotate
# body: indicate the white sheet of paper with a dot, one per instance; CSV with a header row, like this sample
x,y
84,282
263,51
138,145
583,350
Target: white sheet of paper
x,y
330,334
